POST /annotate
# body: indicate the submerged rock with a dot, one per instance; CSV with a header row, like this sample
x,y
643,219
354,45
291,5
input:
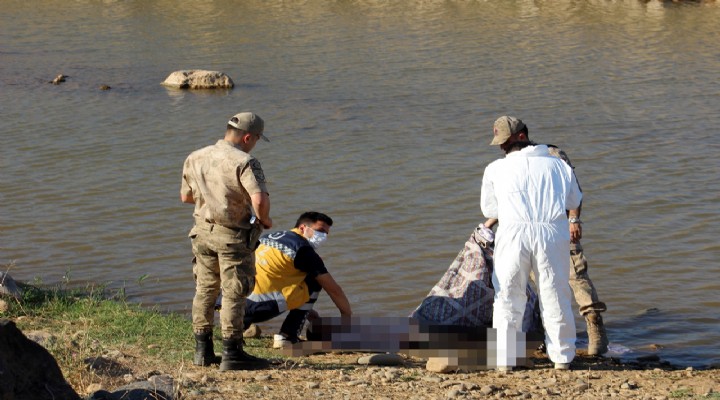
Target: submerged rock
x,y
198,79
58,79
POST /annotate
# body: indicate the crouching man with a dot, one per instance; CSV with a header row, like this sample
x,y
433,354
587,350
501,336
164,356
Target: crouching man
x,y
289,277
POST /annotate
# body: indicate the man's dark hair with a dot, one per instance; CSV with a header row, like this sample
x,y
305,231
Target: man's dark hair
x,y
311,217
519,146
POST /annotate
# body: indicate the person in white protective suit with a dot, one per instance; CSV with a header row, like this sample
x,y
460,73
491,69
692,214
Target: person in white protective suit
x,y
529,191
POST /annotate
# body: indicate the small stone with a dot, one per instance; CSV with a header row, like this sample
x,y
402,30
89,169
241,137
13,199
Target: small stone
x,y
128,378
313,385
262,377
161,380
452,393
381,359
8,286
440,364
105,87
581,387
432,379
487,390
253,331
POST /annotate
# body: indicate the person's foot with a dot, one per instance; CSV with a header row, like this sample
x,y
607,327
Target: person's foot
x,y
562,366
280,341
597,338
234,358
204,352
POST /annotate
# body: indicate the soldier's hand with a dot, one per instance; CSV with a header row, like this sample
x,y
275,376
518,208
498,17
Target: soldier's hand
x,y
575,232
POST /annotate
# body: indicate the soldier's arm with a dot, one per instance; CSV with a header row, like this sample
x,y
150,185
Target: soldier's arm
x,y
261,206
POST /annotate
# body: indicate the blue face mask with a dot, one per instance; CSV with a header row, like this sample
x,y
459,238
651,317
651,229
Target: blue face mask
x,y
317,239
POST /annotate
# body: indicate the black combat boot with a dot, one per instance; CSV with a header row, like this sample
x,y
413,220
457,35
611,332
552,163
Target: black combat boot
x,y
235,359
204,352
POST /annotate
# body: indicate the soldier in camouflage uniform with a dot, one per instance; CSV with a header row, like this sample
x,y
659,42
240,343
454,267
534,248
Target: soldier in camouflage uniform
x,y
589,305
232,206
583,289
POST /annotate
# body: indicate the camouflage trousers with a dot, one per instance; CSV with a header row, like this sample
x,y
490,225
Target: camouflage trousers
x,y
224,260
580,283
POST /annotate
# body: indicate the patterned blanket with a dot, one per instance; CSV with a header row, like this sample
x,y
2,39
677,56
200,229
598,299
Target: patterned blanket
x,y
464,294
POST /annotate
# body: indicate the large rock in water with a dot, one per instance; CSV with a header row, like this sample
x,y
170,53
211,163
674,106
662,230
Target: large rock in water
x,y
198,79
27,370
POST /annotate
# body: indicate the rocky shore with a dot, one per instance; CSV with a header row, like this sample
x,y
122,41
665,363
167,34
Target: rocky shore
x,y
340,376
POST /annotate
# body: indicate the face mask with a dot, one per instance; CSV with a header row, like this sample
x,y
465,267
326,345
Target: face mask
x,y
317,239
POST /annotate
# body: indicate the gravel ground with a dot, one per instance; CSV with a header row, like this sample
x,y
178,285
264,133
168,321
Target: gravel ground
x,y
339,376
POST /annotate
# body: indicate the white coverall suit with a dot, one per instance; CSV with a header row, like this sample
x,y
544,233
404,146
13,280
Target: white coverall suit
x,y
528,191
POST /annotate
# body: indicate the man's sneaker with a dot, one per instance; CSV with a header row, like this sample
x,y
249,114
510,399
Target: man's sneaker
x,y
562,366
280,341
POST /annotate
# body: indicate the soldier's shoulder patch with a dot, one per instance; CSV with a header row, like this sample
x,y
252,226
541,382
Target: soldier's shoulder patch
x,y
257,170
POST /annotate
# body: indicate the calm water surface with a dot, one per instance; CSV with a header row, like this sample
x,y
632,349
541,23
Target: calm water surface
x,y
379,115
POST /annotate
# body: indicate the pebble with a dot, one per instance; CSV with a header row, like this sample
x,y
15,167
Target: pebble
x,y
453,393
487,390
262,377
581,387
432,379
313,385
380,359
161,380
390,375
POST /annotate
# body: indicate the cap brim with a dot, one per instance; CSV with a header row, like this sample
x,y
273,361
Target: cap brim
x,y
497,141
265,138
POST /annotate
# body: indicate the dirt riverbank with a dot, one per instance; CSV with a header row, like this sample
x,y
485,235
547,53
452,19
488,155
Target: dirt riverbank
x,y
339,376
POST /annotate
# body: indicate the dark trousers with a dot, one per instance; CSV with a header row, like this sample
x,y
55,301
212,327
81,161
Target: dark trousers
x,y
294,321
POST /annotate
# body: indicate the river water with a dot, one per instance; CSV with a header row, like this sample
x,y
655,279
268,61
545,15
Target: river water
x,y
380,115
